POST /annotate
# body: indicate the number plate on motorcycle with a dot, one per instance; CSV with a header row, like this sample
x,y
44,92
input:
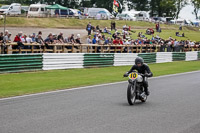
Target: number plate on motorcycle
x,y
133,75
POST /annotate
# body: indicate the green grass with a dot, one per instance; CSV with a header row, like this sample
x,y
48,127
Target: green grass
x,y
34,82
166,33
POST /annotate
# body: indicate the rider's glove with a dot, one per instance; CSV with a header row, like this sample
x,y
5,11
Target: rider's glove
x,y
146,75
126,75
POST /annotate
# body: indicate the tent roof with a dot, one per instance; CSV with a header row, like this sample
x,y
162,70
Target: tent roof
x,y
57,6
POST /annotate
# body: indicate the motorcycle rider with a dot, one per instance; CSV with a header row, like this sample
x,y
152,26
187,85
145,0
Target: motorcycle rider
x,y
143,69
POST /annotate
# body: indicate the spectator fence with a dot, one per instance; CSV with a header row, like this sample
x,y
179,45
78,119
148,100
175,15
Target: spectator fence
x,y
90,48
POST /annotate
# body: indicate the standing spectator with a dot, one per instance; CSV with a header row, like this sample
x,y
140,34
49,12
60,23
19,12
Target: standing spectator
x,y
20,34
49,40
71,39
55,38
1,41
89,28
180,27
40,41
108,41
1,37
78,39
94,41
33,37
26,39
19,41
60,38
116,41
6,39
40,33
89,41
66,40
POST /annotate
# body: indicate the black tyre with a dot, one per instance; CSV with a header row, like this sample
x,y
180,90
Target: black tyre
x,y
131,94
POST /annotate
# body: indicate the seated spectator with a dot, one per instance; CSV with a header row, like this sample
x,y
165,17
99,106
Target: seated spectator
x,y
98,28
106,31
177,34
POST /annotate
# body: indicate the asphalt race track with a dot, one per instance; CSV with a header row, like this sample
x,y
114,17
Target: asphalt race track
x,y
173,107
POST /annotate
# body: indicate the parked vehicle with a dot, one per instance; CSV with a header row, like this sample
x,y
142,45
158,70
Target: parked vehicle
x,y
93,12
71,12
37,10
126,16
25,9
13,9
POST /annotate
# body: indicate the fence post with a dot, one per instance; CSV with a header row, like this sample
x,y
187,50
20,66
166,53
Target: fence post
x,y
7,50
20,50
32,49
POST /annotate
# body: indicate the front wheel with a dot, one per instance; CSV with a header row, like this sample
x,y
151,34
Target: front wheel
x,y
131,94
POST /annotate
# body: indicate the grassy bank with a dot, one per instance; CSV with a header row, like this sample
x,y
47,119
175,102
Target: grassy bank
x,y
35,82
167,30
78,23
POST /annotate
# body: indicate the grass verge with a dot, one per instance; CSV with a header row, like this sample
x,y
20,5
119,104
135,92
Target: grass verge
x,y
34,82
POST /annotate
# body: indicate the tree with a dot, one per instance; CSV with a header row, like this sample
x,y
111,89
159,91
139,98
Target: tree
x,y
168,8
179,5
196,4
140,5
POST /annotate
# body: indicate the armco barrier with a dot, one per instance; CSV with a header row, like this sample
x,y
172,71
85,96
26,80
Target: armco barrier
x,y
178,56
20,63
124,59
163,57
199,55
191,56
51,61
148,57
62,61
98,60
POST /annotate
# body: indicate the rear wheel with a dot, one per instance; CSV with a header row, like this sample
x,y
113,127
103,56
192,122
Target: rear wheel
x,y
131,94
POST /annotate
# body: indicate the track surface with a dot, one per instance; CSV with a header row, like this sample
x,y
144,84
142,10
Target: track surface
x,y
173,107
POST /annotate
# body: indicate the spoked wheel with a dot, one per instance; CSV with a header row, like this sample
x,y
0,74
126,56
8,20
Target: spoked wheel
x,y
131,94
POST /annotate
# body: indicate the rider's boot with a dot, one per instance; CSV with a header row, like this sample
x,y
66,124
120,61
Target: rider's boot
x,y
146,90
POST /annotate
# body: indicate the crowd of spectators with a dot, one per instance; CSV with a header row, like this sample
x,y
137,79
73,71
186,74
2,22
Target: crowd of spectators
x,y
96,35
22,39
123,38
